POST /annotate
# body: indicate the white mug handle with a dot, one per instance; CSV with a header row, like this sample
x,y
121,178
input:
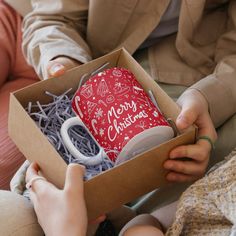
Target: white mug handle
x,y
90,161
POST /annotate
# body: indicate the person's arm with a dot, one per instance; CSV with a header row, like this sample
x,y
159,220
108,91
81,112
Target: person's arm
x,y
55,29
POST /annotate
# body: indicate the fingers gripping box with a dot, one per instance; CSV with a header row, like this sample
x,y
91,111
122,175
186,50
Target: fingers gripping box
x,y
116,186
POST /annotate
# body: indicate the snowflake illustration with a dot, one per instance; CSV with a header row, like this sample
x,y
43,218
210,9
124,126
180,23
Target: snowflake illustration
x,y
103,122
101,132
118,84
99,113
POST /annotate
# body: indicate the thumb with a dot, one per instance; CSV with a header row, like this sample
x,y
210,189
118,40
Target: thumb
x,y
186,118
55,69
32,171
74,178
60,65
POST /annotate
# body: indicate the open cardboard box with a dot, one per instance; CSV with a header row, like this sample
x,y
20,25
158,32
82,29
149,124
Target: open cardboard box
x,y
114,187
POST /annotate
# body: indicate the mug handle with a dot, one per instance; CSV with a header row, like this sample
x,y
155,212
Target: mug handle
x,y
90,161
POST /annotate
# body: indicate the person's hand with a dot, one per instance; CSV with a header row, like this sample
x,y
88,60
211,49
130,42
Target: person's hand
x,y
194,110
60,65
59,212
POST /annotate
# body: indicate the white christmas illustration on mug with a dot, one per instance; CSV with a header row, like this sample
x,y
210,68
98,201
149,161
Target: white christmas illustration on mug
x,y
110,99
102,89
121,89
91,106
99,113
87,91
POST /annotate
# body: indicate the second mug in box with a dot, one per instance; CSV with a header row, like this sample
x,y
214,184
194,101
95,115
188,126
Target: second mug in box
x,y
113,107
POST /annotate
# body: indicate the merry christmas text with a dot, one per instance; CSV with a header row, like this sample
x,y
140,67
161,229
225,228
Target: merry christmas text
x,y
116,127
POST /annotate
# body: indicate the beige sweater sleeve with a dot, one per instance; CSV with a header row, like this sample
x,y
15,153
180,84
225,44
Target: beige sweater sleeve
x,y
220,88
220,91
55,28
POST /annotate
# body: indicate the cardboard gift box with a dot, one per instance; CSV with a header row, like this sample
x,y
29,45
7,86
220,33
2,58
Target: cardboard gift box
x,y
118,185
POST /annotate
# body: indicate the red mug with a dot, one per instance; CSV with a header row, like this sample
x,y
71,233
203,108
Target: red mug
x,y
113,107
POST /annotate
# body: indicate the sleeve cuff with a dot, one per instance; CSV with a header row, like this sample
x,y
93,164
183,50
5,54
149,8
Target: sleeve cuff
x,y
220,99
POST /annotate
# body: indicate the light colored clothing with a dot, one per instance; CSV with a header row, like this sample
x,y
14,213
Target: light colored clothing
x,y
17,217
203,49
168,24
15,74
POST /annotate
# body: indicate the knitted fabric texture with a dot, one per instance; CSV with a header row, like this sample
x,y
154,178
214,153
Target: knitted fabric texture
x,y
208,207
